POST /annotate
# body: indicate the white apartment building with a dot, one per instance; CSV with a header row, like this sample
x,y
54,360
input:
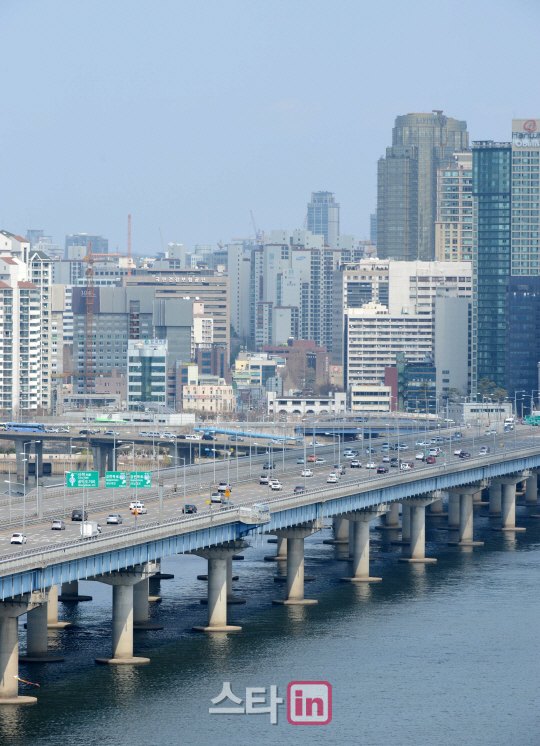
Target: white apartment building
x,y
238,269
373,336
40,274
403,287
370,398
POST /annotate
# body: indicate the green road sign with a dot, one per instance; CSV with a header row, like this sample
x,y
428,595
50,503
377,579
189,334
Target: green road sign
x,y
140,478
116,479
82,479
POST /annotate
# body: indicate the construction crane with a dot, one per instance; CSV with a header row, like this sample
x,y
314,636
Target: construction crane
x,y
259,235
129,246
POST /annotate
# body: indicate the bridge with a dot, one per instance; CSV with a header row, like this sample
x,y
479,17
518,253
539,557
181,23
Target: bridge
x,y
127,557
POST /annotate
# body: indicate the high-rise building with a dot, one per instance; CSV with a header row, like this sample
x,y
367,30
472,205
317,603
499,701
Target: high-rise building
x,y
454,226
147,371
100,245
323,216
407,183
373,228
491,260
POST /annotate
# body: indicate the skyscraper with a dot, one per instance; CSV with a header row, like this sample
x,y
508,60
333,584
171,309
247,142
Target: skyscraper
x,y
491,260
100,245
453,229
323,216
407,183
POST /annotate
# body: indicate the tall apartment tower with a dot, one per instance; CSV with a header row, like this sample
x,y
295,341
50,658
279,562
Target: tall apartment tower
x,y
454,225
407,183
323,216
100,245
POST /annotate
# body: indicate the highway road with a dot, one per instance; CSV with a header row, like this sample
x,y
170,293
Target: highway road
x,y
245,487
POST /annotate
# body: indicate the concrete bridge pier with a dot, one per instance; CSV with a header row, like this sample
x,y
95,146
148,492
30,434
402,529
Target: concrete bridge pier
x,y
21,447
218,561
281,553
453,509
531,490
38,450
391,518
341,531
418,528
141,592
10,610
104,458
466,514
495,499
405,524
436,508
360,520
508,501
122,613
52,610
70,593
36,636
295,563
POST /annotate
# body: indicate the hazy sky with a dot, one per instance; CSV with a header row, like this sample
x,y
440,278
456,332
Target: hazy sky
x,y
191,114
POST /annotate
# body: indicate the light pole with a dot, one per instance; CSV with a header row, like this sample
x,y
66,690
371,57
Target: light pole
x,y
24,501
184,470
521,391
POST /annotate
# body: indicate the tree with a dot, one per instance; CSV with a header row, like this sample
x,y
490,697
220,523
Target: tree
x,y
423,388
499,394
485,387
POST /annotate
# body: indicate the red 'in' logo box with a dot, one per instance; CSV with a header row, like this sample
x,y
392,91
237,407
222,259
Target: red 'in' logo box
x,y
309,703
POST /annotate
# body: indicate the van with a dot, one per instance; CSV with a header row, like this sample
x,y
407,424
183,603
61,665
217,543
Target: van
x,y
434,452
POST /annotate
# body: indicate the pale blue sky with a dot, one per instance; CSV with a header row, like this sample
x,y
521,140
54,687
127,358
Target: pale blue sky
x,y
189,114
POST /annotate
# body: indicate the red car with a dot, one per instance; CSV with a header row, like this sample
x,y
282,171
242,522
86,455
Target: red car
x,y
430,460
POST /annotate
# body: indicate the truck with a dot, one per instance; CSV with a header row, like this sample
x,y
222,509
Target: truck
x,y
89,529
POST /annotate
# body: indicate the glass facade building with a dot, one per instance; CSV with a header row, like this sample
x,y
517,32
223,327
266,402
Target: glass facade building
x,y
407,183
323,216
491,260
523,337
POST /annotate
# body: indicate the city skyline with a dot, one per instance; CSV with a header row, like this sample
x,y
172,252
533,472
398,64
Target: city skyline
x,y
124,158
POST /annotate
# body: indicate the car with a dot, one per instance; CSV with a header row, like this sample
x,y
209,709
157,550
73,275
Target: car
x,y
224,486
139,508
457,436
307,473
404,466
276,485
339,469
86,432
438,439
382,470
300,460
349,455
507,429
401,446
227,504
434,452
114,518
208,436
431,460
356,464
385,448
314,443
50,430
269,465
332,478
464,454
76,515
421,443
63,429
484,451
172,435
386,459
371,465
371,450
299,488
18,538
193,437
215,497
189,508
320,460
394,462
492,431
264,479
420,456
144,434
58,525
111,432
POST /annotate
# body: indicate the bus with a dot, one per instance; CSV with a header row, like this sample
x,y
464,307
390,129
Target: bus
x,y
112,419
25,427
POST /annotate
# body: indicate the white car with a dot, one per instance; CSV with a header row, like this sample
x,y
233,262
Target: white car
x,y
139,507
193,437
349,455
420,456
421,443
307,473
457,451
402,445
275,485
321,461
316,443
386,459
332,478
169,435
371,465
18,538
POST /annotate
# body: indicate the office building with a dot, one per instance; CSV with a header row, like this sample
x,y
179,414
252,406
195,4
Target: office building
x,y
209,397
370,398
419,385
238,270
491,260
407,183
147,372
454,226
323,216
100,245
373,228
306,406
374,336
452,341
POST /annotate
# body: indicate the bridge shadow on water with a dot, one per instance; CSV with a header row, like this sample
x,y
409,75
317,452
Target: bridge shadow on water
x,y
417,658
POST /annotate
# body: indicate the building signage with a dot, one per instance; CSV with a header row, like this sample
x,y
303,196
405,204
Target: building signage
x,y
177,278
526,139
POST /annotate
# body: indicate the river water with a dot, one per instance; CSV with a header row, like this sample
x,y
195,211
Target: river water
x,y
442,654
